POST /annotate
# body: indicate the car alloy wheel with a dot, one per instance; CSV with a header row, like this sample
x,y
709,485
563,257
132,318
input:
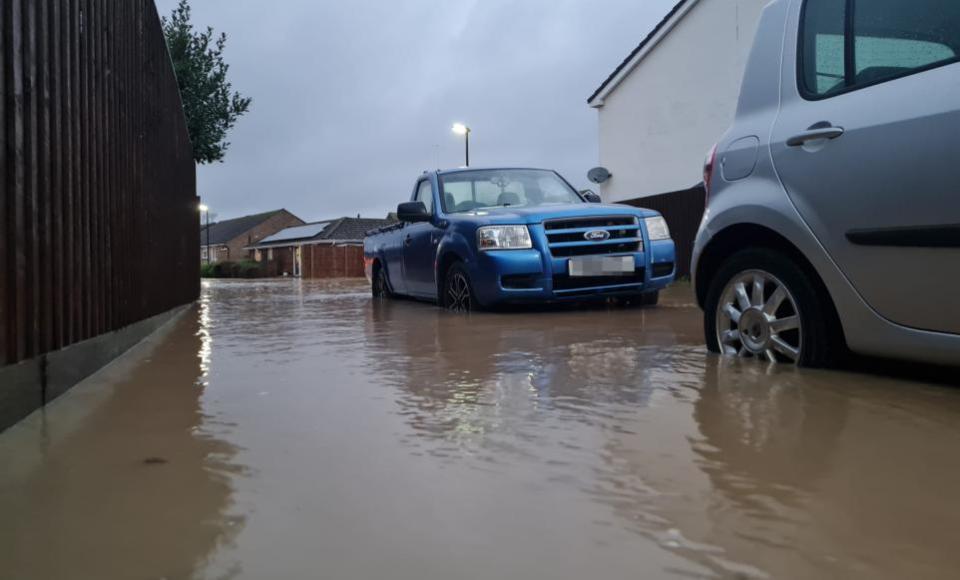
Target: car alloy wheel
x,y
458,292
757,316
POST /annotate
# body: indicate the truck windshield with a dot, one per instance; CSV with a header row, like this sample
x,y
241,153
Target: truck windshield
x,y
488,188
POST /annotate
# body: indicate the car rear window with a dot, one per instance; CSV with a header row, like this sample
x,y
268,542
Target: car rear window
x,y
850,44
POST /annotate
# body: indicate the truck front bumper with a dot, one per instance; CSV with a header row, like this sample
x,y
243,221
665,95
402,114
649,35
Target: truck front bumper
x,y
529,276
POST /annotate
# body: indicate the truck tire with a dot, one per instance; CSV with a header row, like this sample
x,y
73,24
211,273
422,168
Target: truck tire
x,y
379,287
762,304
458,293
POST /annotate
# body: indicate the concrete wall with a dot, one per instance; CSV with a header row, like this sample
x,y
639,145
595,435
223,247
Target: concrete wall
x,y
31,384
658,124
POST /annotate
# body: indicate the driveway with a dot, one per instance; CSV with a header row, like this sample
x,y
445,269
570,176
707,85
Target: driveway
x,y
288,429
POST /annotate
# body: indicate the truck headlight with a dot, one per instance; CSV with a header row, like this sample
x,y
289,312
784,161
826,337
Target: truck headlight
x,y
657,228
504,238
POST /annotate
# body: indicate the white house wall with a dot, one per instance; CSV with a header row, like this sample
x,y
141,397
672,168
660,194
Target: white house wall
x,y
657,125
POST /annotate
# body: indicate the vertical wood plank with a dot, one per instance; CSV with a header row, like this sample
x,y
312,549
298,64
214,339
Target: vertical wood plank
x,y
16,184
31,205
45,191
96,256
55,214
5,167
72,171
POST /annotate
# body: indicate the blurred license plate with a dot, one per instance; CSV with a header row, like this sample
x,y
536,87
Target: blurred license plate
x,y
601,266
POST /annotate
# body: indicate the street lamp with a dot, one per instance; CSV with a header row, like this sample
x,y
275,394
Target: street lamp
x,y
461,129
206,210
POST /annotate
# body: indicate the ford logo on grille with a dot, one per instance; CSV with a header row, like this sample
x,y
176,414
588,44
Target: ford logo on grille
x,y
597,236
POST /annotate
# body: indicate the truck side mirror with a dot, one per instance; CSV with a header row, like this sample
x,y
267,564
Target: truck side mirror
x,y
590,196
413,211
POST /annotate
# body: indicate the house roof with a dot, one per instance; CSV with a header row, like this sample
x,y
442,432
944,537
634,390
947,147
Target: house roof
x,y
224,231
662,28
345,229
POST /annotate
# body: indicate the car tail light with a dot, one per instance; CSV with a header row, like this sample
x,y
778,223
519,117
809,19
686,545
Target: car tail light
x,y
708,165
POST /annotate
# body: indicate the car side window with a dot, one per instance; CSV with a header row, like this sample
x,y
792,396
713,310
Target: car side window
x,y
822,48
897,38
879,40
425,194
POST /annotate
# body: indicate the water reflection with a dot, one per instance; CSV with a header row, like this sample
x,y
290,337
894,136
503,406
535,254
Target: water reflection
x,y
124,477
464,379
744,469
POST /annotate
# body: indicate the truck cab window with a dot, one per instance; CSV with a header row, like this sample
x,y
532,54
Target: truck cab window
x,y
425,195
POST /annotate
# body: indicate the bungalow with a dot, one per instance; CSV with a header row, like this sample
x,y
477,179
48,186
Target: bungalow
x,y
324,249
662,109
227,240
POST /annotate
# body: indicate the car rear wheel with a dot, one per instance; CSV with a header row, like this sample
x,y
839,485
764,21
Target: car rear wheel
x,y
379,287
457,292
762,305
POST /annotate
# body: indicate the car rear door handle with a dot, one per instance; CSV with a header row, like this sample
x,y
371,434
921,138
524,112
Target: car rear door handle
x,y
407,241
813,134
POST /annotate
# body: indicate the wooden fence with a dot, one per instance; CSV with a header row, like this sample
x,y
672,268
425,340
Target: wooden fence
x,y
683,211
98,219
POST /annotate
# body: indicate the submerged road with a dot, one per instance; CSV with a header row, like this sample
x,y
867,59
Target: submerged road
x,y
287,429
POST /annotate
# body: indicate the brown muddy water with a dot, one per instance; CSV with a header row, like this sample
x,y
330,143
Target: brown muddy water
x,y
287,429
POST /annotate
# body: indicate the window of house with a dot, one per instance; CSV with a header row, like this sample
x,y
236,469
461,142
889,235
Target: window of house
x,y
425,195
270,254
258,255
883,40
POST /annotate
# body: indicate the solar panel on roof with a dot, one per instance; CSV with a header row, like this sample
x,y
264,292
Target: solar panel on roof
x,y
296,233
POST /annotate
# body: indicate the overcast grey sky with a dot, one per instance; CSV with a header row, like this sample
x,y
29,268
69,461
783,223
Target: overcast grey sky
x,y
352,100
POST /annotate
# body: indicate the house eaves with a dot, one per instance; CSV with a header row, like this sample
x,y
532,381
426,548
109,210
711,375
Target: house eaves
x,y
648,45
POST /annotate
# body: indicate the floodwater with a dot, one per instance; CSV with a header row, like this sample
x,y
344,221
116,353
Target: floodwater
x,y
286,429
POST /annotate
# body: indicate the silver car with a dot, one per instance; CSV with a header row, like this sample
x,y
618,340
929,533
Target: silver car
x,y
833,214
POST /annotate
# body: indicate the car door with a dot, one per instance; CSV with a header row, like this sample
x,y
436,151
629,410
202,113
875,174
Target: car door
x,y
867,145
419,248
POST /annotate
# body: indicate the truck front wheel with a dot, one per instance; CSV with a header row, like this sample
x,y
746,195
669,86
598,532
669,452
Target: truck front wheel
x,y
457,291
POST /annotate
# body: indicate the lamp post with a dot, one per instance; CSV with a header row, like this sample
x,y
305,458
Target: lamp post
x,y
206,210
461,129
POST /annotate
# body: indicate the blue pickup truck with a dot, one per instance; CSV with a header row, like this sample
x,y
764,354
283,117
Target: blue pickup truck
x,y
479,238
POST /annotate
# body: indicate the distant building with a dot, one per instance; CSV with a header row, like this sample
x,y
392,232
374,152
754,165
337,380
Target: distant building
x,y
671,99
228,239
324,249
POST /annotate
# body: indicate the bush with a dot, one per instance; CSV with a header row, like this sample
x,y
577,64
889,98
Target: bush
x,y
244,269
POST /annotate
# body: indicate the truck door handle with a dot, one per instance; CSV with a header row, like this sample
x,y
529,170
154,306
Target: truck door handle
x,y
814,133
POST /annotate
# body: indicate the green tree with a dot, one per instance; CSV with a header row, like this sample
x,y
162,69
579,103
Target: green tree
x,y
211,107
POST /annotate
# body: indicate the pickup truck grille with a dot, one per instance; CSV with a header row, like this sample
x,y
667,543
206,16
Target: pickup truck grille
x,y
565,237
